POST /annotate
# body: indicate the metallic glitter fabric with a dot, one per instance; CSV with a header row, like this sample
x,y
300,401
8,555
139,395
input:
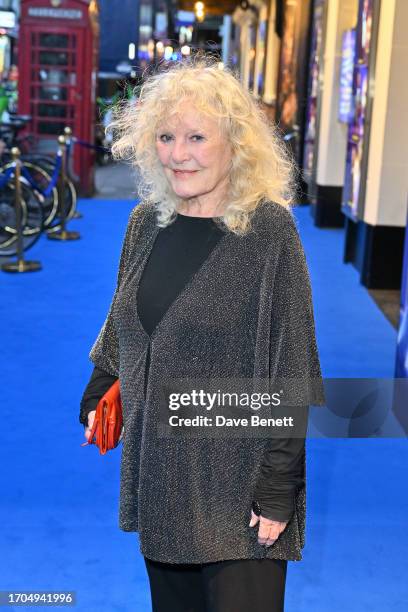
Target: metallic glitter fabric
x,y
247,312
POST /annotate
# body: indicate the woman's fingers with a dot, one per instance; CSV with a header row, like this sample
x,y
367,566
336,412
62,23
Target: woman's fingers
x,y
269,531
254,519
91,418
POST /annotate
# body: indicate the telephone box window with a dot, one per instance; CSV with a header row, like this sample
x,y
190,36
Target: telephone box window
x,y
58,41
48,127
53,59
52,110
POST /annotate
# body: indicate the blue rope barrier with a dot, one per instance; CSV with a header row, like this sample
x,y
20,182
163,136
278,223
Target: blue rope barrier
x,y
5,177
69,148
54,177
89,145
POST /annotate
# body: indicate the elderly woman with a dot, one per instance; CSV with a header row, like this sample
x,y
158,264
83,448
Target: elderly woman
x,y
212,284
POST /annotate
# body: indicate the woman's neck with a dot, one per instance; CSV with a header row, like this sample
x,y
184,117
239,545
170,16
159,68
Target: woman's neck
x,y
195,208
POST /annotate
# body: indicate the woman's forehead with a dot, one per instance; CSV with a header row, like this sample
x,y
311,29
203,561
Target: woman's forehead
x,y
189,119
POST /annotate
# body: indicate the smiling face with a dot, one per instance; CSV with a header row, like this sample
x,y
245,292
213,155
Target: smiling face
x,y
196,157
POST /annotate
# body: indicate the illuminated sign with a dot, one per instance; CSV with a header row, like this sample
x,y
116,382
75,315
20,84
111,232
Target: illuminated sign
x,y
346,76
54,13
185,18
7,19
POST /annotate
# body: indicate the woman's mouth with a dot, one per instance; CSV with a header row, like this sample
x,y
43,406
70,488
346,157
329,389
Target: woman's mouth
x,y
183,173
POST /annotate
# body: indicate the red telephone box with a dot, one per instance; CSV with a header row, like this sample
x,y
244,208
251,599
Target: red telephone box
x,y
58,62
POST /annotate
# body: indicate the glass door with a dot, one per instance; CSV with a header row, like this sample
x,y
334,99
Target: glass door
x,y
55,95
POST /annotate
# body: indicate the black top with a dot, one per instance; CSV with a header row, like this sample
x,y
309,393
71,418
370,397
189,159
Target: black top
x,y
178,252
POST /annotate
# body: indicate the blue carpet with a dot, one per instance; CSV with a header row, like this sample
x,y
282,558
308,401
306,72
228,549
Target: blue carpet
x,y
59,523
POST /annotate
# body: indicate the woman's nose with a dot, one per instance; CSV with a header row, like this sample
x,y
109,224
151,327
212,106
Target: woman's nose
x,y
179,152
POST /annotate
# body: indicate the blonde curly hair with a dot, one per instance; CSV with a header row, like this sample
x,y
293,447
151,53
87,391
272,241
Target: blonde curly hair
x,y
262,169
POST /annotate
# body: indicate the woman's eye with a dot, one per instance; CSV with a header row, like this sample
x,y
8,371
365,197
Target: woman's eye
x,y
168,137
164,137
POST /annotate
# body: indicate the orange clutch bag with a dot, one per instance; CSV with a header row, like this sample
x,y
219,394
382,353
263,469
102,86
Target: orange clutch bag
x,y
107,426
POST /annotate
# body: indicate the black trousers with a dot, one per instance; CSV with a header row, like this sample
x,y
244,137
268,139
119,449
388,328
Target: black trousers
x,y
245,585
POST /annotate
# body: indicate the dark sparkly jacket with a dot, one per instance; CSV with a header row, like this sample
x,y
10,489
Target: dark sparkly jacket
x,y
245,314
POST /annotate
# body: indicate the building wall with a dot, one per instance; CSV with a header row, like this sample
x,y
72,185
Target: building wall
x,y
341,15
119,27
387,176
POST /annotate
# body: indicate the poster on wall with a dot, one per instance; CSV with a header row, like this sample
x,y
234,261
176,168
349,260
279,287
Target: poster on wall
x,y
252,54
291,100
358,129
262,33
401,366
348,49
287,95
313,92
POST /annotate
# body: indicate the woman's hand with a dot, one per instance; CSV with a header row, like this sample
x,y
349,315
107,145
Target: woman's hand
x,y
268,531
91,418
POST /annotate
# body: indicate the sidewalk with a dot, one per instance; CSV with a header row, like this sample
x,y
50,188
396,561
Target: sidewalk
x,y
116,181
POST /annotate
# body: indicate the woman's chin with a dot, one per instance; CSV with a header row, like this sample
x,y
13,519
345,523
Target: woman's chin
x,y
185,194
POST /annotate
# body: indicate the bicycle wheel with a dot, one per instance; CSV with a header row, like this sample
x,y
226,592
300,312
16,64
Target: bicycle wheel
x,y
70,196
52,221
32,218
41,174
8,215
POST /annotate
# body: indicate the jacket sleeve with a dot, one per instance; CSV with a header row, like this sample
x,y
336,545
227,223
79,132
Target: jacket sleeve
x,y
280,476
294,362
97,386
105,351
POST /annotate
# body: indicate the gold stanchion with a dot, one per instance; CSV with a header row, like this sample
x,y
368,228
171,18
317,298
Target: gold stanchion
x,y
68,140
63,234
68,135
20,265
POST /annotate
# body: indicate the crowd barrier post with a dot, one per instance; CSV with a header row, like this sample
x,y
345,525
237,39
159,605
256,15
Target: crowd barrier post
x,y
21,265
63,233
69,142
